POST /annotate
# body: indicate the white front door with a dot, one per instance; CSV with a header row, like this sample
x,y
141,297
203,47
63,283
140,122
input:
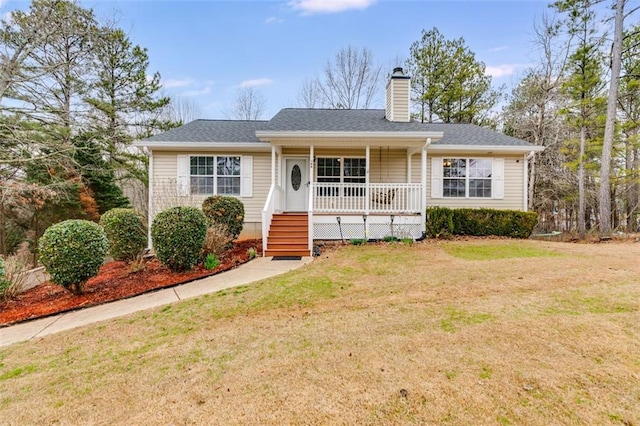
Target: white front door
x,y
297,184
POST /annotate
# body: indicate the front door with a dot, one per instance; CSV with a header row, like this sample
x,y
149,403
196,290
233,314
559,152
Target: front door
x,y
297,184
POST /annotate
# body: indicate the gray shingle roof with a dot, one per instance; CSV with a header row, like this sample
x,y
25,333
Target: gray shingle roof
x,y
373,120
330,120
470,134
212,131
338,120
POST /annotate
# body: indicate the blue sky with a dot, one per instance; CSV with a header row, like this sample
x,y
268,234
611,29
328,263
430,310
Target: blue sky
x,y
206,50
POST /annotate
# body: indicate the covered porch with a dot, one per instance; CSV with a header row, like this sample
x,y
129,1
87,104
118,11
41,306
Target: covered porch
x,y
367,188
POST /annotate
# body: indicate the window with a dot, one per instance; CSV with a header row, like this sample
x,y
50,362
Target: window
x,y
466,177
341,170
215,175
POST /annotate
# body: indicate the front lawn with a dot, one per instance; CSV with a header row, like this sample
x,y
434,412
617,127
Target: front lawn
x,y
454,332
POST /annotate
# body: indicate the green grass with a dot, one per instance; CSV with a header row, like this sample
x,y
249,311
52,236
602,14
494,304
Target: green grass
x,y
27,369
456,318
510,250
377,334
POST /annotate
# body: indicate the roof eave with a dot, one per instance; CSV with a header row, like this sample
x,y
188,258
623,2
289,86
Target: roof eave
x,y
269,135
506,149
253,146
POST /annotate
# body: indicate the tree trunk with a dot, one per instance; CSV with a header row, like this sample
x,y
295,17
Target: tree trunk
x,y
615,214
3,230
581,203
629,185
609,128
635,212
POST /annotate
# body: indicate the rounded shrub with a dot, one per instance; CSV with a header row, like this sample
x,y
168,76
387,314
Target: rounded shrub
x,y
126,233
72,252
178,235
225,210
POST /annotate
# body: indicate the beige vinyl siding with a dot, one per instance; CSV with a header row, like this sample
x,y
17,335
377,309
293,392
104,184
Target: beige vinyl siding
x,y
397,100
513,184
387,164
388,99
400,100
164,183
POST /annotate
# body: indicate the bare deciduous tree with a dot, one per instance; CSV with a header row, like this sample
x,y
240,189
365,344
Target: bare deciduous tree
x,y
182,110
350,81
249,105
309,95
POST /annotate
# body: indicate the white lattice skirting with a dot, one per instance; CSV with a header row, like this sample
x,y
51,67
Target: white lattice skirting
x,y
377,227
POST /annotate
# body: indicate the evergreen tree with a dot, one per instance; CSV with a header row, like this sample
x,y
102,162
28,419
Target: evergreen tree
x,y
629,104
125,103
448,83
584,85
98,176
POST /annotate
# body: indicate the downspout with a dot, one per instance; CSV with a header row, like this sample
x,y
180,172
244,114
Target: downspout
x,y
525,184
150,199
423,172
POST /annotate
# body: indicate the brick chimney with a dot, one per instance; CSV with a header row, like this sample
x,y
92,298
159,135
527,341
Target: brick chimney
x,y
398,90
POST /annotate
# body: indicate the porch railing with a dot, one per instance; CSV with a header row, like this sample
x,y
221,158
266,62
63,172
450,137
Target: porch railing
x,y
362,198
270,206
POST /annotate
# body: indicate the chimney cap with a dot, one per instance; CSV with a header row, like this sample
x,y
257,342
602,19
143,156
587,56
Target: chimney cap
x,y
398,72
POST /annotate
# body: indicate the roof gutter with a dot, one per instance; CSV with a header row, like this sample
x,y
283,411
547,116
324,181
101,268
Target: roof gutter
x,y
253,146
489,149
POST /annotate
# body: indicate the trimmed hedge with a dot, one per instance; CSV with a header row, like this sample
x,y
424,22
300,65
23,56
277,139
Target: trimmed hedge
x,y
225,210
178,235
126,233
72,252
443,222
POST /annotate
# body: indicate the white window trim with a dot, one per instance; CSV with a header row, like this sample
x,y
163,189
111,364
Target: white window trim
x,y
183,181
497,178
341,158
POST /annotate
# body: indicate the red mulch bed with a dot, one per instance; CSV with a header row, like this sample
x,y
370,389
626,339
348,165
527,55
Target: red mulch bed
x,y
114,281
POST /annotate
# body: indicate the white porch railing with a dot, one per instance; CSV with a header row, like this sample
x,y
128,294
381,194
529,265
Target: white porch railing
x,y
270,206
390,198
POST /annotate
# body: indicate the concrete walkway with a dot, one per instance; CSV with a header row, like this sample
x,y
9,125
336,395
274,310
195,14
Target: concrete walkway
x,y
255,270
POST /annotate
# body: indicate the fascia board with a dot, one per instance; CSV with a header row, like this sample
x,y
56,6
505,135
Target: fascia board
x,y
177,146
506,149
266,135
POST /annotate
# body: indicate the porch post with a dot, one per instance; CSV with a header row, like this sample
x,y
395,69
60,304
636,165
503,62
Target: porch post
x,y
311,197
423,181
273,165
367,197
408,166
311,200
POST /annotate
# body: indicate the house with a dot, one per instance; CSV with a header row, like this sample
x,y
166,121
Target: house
x,y
337,174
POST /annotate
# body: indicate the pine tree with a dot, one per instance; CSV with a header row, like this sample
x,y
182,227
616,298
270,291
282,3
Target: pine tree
x,y
448,83
584,85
